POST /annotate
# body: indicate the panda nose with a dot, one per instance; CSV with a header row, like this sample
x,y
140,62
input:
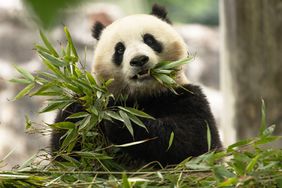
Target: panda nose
x,y
139,61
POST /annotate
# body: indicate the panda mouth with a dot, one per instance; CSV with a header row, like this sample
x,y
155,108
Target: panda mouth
x,y
142,75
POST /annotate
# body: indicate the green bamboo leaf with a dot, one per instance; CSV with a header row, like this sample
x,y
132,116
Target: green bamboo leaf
x,y
136,112
127,122
54,69
238,144
47,75
48,44
28,123
133,143
171,138
20,81
85,122
267,139
25,91
55,61
55,106
125,182
161,64
156,76
114,115
91,79
208,136
70,41
78,115
222,173
69,140
269,130
63,125
49,86
108,82
24,73
160,71
263,118
88,154
41,48
72,87
137,121
229,182
175,64
68,52
166,79
252,163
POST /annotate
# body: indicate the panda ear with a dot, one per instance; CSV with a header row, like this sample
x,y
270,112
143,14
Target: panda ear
x,y
160,12
97,30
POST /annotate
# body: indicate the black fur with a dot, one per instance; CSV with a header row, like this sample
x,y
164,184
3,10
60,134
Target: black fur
x,y
160,12
186,114
150,40
97,30
119,51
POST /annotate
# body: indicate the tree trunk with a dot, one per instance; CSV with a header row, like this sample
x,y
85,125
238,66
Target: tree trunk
x,y
251,64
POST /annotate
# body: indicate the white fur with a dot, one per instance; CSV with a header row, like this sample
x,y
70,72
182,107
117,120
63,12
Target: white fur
x,y
130,30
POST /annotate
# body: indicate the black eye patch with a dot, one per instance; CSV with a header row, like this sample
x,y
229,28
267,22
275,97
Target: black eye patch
x,y
119,51
153,43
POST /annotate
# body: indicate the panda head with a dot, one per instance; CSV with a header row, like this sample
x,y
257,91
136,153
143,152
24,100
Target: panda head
x,y
130,46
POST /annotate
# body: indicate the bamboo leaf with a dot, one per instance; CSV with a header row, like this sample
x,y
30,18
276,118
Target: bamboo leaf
x,y
137,121
175,64
78,115
54,69
63,125
208,136
91,79
55,61
48,44
269,130
133,143
171,138
41,48
125,182
84,122
28,123
55,106
24,73
166,79
238,144
136,112
20,81
25,91
263,118
127,122
70,41
71,137
252,163
114,115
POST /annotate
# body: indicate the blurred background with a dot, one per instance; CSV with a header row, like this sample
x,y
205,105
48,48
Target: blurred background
x,y
247,41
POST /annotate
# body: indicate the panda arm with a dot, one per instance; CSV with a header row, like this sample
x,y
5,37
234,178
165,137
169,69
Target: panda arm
x,y
186,115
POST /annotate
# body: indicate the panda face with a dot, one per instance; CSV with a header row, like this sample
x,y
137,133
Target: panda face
x,y
129,47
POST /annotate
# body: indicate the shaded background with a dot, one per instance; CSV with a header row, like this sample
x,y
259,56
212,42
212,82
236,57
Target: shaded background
x,y
197,21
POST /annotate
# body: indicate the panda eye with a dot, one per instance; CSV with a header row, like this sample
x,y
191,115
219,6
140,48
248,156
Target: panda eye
x,y
148,39
120,49
152,42
118,55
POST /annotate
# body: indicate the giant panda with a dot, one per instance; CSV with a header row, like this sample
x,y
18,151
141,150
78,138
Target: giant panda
x,y
125,51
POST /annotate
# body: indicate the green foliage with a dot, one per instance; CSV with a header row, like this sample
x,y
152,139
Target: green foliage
x,y
246,163
190,11
65,83
48,13
165,72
